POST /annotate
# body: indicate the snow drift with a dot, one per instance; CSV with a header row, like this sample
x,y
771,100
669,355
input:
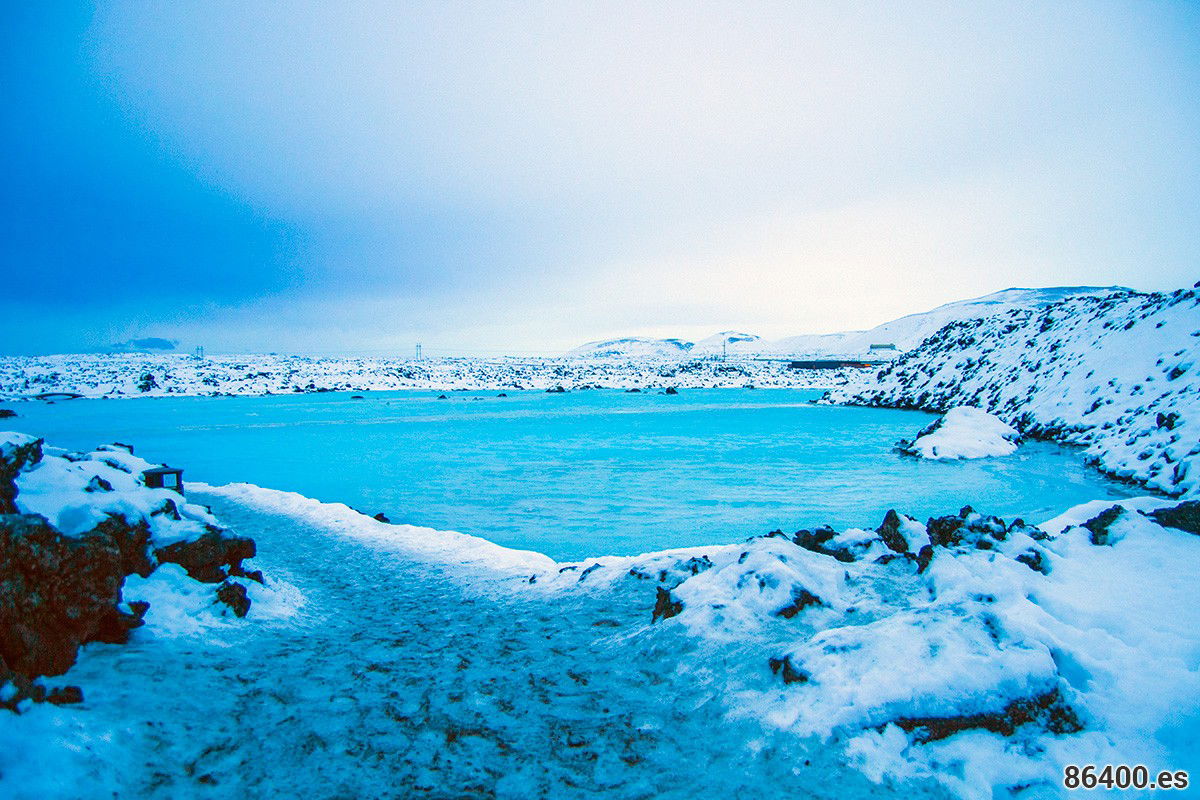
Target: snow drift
x,y
963,432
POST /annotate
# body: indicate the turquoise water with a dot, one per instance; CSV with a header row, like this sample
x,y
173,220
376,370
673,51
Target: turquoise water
x,y
578,474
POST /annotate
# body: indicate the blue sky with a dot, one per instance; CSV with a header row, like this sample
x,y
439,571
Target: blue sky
x,y
492,177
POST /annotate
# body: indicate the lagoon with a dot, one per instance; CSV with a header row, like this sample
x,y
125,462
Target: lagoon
x,y
583,473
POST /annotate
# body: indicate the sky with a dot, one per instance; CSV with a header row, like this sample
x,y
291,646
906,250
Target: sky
x,y
522,177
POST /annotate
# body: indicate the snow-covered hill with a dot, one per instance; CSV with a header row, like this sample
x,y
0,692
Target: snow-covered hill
x,y
906,332
634,347
728,343
1119,374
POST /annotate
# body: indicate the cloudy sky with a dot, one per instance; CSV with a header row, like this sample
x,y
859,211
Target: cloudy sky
x,y
485,177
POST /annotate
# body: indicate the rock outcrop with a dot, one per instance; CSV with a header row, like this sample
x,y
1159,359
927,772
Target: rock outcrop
x,y
62,588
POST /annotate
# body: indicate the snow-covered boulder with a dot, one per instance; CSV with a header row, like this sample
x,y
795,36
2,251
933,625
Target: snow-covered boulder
x,y
73,527
963,432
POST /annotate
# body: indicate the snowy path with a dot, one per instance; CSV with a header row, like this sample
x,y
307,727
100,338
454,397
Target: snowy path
x,y
406,679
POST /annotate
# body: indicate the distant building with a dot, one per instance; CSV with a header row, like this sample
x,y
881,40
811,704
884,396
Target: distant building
x,y
886,346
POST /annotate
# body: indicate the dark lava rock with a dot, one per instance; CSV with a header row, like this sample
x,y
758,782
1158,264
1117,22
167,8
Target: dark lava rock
x,y
818,542
1185,517
1048,710
588,571
924,558
442,397
98,484
556,390
889,531
7,413
65,695
56,593
697,564
233,594
132,541
1035,560
801,599
238,571
1098,525
968,528
381,517
502,394
665,605
12,461
1167,421
787,670
945,531
203,558
671,390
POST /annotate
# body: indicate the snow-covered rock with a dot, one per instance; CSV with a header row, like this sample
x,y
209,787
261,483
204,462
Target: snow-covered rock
x,y
1117,374
963,432
74,527
986,660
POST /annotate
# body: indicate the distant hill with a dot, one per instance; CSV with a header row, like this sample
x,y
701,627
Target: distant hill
x,y
150,344
906,332
634,347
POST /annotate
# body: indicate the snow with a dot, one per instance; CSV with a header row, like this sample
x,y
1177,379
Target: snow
x,y
61,488
180,606
1111,629
120,375
906,332
964,432
1116,374
410,541
395,656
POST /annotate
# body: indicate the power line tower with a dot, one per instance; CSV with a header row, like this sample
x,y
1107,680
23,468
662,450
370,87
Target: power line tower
x,y
724,351
418,351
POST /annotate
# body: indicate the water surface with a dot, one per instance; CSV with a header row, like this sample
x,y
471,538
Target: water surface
x,y
582,473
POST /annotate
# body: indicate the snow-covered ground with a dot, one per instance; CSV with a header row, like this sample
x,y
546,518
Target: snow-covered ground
x,y
965,656
148,375
1118,374
963,432
821,665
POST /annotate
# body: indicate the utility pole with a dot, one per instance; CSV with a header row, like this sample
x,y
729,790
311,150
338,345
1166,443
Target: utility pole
x,y
418,351
724,351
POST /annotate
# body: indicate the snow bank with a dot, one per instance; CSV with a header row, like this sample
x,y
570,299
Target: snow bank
x,y
980,654
411,541
964,432
1118,374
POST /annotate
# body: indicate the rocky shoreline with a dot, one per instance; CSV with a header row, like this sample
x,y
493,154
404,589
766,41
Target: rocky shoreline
x,y
1118,375
63,588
